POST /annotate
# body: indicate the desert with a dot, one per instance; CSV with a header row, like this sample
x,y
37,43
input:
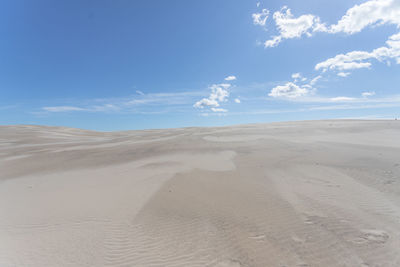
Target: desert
x,y
309,193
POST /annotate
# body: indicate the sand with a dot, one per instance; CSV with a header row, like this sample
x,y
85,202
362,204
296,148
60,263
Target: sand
x,y
318,193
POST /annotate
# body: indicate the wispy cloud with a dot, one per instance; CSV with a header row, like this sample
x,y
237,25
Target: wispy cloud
x,y
63,109
368,94
324,104
141,103
343,74
8,107
393,99
219,110
260,18
342,99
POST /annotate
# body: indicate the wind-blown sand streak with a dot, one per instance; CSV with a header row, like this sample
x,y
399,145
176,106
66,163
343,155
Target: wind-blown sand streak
x,y
321,193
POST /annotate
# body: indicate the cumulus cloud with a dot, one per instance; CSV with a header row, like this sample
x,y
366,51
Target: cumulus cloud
x,y
293,27
360,59
230,78
206,102
348,61
295,89
366,14
357,18
370,13
289,90
237,100
260,18
219,93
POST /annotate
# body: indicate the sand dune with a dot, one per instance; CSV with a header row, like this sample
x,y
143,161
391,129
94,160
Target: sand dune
x,y
321,193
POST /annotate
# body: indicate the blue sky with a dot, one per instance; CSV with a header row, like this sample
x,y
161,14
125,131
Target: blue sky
x,y
117,65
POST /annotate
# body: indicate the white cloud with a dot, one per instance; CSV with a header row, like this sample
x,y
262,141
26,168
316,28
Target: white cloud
x,y
367,94
288,90
273,42
359,59
260,18
370,13
293,90
139,92
258,4
219,93
206,102
230,78
343,74
62,109
237,100
105,108
291,27
374,12
219,110
351,60
296,75
342,99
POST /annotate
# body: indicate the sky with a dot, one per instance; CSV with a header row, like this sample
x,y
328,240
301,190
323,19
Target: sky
x,y
122,64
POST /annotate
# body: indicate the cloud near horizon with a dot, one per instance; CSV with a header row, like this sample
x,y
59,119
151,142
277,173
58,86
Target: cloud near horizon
x,y
219,93
63,109
296,88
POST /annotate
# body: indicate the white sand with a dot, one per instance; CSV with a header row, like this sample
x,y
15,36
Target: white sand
x,y
323,193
